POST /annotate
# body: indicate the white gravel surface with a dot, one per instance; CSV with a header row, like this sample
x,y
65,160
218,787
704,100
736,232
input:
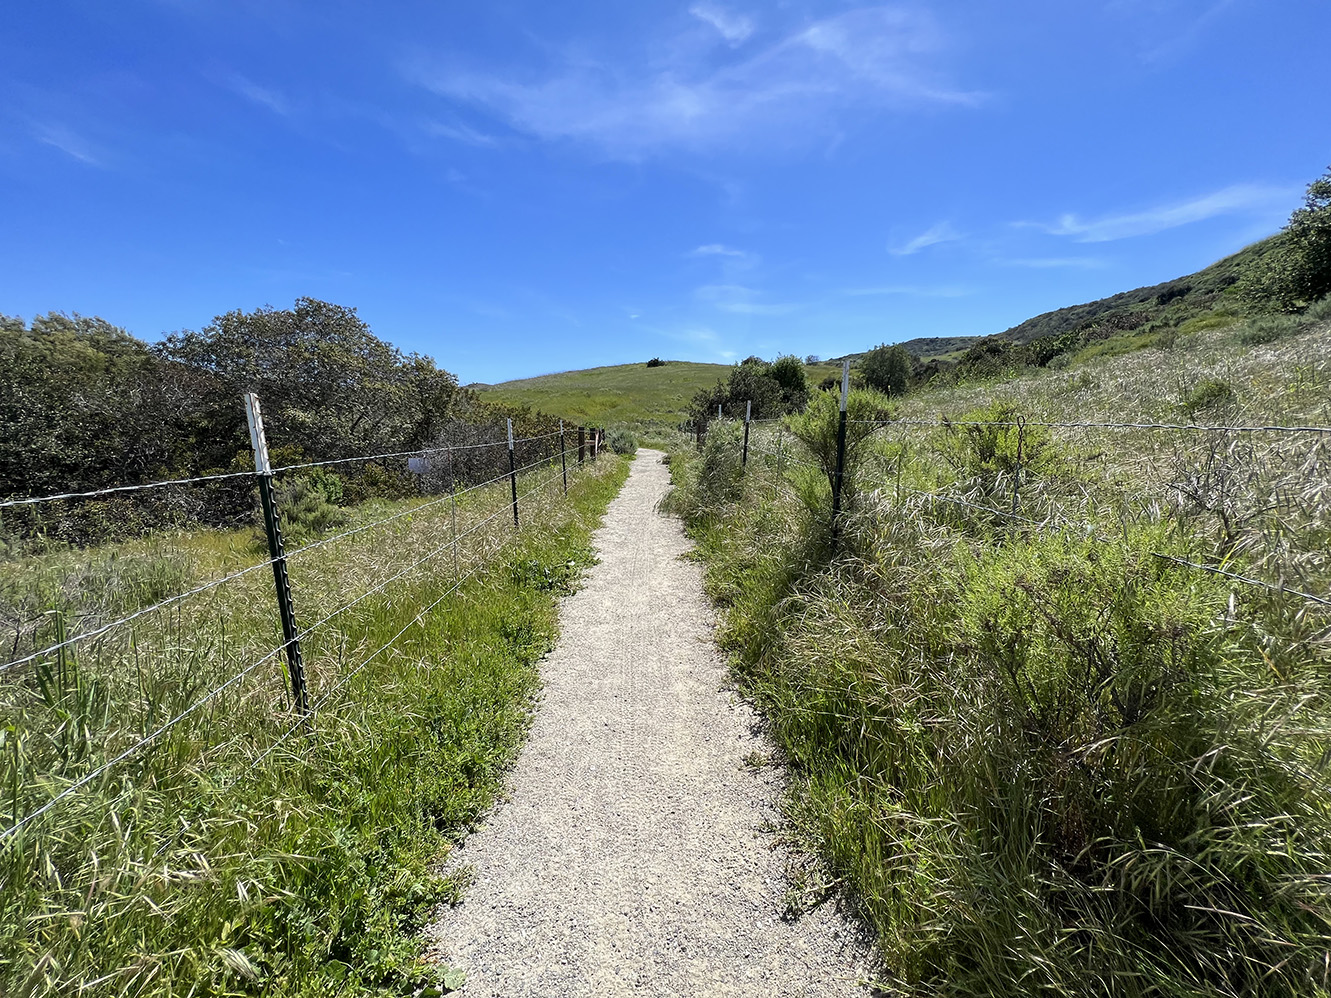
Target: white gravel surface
x,y
637,853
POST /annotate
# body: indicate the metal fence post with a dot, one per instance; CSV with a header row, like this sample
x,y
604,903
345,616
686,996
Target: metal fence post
x,y
748,412
596,442
1016,475
563,458
840,455
512,472
453,501
277,554
582,444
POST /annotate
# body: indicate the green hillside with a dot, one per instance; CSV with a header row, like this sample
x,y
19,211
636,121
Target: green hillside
x,y
1170,302
623,393
1129,320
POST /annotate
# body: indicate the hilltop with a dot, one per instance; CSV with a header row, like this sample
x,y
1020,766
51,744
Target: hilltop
x,y
636,393
1175,302
621,393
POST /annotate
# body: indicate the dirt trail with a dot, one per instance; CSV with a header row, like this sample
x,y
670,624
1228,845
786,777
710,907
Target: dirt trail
x,y
637,852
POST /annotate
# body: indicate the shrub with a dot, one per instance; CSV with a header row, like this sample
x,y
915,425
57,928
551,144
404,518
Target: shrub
x,y
308,503
817,427
1210,394
986,446
621,441
1319,310
1268,329
656,362
720,477
1198,323
887,369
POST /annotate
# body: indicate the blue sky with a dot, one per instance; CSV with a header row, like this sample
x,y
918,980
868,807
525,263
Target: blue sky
x,y
522,187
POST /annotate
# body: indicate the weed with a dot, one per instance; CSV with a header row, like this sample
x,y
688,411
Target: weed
x,y
1209,395
223,860
1268,329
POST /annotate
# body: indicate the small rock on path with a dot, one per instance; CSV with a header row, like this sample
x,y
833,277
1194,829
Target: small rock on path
x,y
637,853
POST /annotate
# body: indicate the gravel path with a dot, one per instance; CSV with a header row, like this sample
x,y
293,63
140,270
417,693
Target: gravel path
x,y
637,852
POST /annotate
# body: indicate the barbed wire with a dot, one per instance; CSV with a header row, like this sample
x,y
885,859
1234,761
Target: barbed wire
x,y
105,628
126,488
453,539
212,694
197,479
1200,427
1091,531
1283,590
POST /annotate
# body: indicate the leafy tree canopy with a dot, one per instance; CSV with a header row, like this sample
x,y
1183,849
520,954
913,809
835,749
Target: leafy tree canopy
x,y
887,369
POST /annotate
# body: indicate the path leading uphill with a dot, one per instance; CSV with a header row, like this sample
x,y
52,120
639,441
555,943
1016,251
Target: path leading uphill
x,y
637,853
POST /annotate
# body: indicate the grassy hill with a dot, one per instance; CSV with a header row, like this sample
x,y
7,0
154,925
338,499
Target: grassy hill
x,y
622,393
1173,302
641,395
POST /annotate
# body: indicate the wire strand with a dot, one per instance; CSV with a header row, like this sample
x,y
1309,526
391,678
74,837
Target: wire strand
x,y
1311,597
342,683
126,488
1089,425
145,740
89,635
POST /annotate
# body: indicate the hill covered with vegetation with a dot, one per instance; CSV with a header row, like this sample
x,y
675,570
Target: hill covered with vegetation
x,y
636,394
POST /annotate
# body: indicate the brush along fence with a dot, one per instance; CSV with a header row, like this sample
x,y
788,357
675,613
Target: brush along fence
x,y
1248,497
231,657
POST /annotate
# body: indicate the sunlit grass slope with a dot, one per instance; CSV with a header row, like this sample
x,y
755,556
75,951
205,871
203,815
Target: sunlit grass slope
x,y
624,393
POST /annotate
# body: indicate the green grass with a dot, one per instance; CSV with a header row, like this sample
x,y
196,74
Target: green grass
x,y
632,394
220,860
1039,758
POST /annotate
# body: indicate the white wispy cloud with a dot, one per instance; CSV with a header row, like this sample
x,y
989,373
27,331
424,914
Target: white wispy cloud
x,y
873,57
1235,199
61,137
943,232
740,300
243,86
458,132
734,28
717,249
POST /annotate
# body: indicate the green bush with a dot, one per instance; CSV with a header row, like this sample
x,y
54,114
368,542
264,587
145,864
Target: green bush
x,y
986,447
1210,394
621,440
1268,329
1320,310
309,503
817,428
1199,323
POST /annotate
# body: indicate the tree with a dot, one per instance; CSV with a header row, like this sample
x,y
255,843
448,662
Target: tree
x,y
1298,272
887,369
788,372
328,385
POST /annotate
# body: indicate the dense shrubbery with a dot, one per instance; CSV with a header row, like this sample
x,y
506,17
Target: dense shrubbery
x,y
621,440
772,388
84,405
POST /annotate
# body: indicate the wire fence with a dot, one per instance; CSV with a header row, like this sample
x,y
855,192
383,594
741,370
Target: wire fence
x,y
1251,507
254,666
